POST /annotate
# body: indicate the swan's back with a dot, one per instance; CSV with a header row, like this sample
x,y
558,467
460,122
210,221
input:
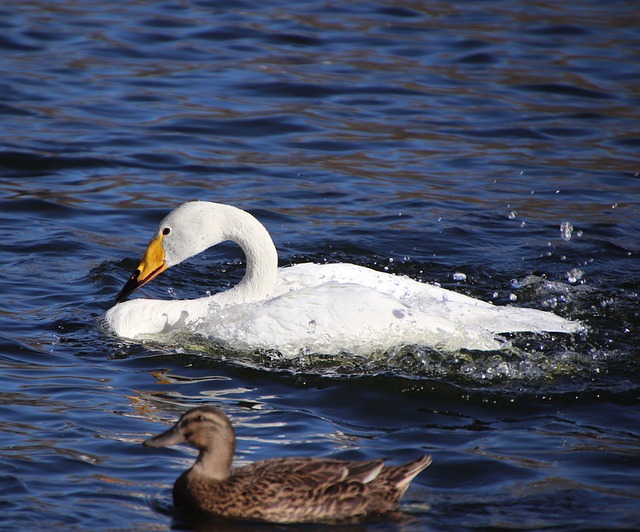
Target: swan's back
x,y
346,308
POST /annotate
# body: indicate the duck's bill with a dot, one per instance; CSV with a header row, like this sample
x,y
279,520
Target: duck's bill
x,y
173,436
151,265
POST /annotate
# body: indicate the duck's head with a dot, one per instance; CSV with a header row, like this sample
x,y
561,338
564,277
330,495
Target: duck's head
x,y
204,427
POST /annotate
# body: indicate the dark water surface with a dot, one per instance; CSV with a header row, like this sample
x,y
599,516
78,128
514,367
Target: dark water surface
x,y
495,139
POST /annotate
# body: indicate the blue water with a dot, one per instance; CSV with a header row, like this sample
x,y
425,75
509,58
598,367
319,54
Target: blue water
x,y
495,139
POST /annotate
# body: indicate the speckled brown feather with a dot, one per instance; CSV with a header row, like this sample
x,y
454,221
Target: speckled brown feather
x,y
283,490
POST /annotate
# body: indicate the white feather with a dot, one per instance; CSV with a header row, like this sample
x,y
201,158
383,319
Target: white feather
x,y
319,308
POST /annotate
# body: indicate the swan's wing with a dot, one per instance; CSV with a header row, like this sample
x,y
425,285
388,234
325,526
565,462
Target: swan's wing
x,y
460,308
341,317
307,275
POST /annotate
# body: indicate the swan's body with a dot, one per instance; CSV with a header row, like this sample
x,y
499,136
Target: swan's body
x,y
281,490
321,308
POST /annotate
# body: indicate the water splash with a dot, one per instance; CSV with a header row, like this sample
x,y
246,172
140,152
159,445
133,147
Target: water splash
x,y
566,230
574,275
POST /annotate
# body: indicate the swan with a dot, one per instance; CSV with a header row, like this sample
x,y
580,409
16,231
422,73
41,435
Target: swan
x,y
312,308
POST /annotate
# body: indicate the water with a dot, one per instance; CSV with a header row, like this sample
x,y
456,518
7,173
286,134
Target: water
x,y
488,146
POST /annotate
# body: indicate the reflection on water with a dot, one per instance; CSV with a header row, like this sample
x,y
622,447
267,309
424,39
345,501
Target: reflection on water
x,y
490,147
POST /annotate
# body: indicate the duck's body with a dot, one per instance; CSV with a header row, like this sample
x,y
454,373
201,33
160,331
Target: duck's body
x,y
324,308
284,490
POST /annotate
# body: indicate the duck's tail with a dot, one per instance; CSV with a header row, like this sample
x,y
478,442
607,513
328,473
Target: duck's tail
x,y
401,476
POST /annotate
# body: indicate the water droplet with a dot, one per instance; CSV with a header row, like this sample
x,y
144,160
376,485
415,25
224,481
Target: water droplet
x,y
459,276
512,215
566,230
574,275
311,329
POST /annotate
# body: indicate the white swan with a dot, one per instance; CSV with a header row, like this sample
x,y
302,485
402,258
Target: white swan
x,y
319,308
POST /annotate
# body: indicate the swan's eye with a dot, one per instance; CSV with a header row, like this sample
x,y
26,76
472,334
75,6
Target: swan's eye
x,y
166,231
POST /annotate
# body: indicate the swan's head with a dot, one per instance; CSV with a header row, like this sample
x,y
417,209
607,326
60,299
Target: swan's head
x,y
183,233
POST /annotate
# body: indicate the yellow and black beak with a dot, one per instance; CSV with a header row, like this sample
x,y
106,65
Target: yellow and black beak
x,y
151,265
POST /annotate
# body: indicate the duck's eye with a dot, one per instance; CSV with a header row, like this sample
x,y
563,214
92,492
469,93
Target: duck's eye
x,y
166,231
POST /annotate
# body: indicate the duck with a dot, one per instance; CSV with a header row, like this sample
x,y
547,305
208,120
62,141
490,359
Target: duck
x,y
306,308
278,490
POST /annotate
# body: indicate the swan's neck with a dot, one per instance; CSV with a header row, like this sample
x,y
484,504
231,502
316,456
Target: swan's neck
x,y
261,255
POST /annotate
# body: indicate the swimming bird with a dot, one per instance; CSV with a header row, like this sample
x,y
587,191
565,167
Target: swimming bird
x,y
316,308
279,490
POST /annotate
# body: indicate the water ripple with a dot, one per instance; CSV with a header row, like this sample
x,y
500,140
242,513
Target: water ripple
x,y
454,143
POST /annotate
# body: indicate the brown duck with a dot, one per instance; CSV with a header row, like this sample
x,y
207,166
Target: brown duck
x,y
280,490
